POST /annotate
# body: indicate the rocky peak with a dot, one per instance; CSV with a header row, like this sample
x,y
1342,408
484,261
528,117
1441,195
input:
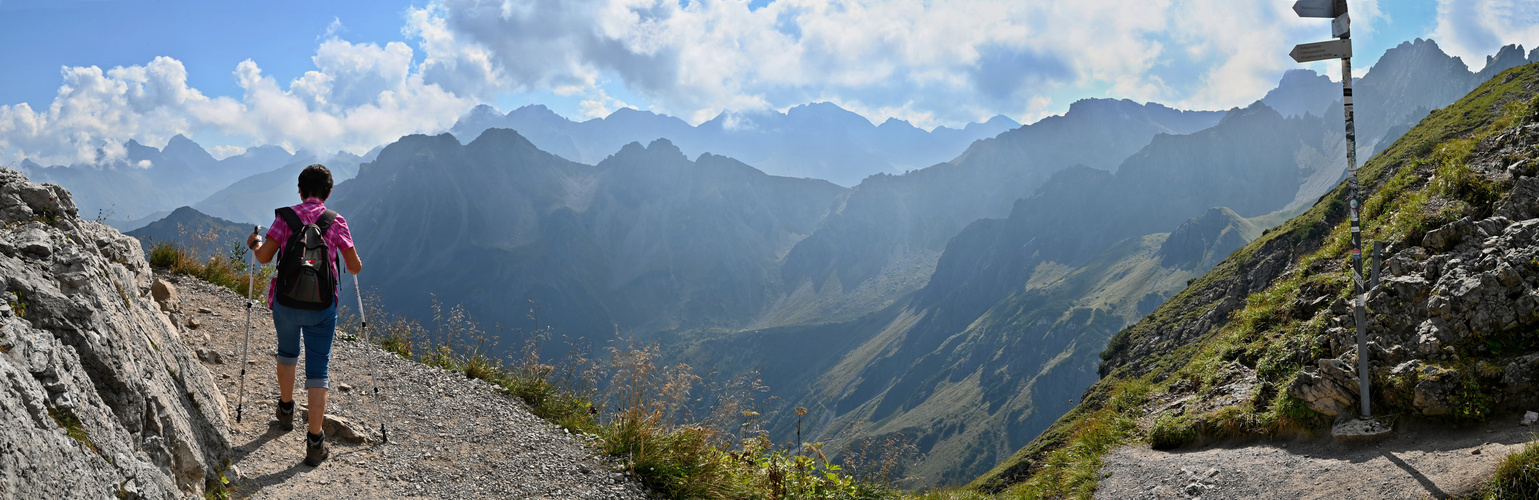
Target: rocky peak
x,y
101,398
1214,235
1508,57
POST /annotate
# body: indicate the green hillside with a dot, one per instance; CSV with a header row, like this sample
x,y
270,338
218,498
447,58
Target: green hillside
x,y
1263,318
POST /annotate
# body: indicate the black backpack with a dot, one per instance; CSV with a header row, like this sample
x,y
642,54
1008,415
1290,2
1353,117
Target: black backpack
x,y
307,277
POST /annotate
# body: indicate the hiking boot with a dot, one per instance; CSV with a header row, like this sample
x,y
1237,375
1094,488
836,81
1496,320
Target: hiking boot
x,y
286,416
316,450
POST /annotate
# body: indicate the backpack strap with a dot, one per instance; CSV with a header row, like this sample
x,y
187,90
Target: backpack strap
x,y
326,219
324,223
290,218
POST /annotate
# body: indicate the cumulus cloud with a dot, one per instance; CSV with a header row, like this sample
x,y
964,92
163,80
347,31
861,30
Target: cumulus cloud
x,y
1473,29
952,60
937,62
360,96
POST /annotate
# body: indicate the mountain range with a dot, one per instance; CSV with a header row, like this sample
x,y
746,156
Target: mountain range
x,y
818,140
1005,333
960,305
147,182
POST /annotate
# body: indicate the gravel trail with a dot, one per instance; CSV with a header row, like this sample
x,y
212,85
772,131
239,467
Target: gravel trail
x,y
450,437
1418,461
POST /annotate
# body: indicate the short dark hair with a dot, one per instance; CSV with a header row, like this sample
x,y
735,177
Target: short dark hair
x,y
315,182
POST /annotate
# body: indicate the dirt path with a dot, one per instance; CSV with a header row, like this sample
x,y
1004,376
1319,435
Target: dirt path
x,y
450,437
1418,461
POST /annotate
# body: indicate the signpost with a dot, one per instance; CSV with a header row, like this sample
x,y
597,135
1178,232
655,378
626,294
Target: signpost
x,y
1341,48
1320,8
1320,51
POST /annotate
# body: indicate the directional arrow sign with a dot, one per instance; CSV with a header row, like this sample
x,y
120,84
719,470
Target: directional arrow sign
x,y
1319,51
1320,8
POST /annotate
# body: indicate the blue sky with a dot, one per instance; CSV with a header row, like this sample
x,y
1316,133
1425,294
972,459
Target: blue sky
x,y
84,75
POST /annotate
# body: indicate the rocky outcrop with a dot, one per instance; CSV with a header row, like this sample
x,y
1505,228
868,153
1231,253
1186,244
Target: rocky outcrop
x,y
1331,389
1457,310
99,398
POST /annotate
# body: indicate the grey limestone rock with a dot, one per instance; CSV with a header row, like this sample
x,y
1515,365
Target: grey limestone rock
x,y
1434,390
1331,389
165,296
98,397
1523,203
1450,234
1520,375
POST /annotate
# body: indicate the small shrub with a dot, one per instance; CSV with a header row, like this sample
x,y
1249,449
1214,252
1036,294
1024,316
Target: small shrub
x,y
72,427
18,303
230,270
1171,432
164,256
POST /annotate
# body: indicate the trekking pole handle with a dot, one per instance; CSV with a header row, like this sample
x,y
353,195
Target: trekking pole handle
x,y
257,231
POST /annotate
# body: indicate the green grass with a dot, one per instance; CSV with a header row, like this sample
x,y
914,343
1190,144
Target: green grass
x,y
18,303
72,427
229,271
1516,477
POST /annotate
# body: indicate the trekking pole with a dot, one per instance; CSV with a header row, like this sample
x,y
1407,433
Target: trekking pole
x,y
363,326
250,286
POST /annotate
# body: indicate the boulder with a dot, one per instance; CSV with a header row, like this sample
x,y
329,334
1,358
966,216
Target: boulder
x,y
1449,235
1523,203
1521,375
1435,389
1411,287
165,295
338,428
1331,389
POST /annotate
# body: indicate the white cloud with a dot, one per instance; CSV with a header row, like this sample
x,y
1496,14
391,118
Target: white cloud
x,y
1037,108
946,61
936,62
360,96
226,151
95,112
1474,29
333,29
599,104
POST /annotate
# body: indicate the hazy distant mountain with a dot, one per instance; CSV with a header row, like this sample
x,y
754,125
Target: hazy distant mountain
x,y
252,199
150,180
201,235
1302,91
819,140
884,237
645,240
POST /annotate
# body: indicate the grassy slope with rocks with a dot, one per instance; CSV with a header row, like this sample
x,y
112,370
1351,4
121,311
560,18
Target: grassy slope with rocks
x,y
1244,320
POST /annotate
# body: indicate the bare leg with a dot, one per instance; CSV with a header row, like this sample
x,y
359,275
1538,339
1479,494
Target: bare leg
x,y
285,383
317,406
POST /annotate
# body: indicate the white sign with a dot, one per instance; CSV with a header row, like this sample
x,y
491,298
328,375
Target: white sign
x,y
1319,8
1319,51
1341,26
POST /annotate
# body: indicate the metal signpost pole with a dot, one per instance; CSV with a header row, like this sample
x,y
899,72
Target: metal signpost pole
x,y
1319,51
1359,291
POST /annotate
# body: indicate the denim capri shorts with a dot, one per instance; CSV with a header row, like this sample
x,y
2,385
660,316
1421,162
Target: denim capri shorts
x,y
316,329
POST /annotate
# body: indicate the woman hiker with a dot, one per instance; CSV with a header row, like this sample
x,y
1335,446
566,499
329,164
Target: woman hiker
x,y
308,240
